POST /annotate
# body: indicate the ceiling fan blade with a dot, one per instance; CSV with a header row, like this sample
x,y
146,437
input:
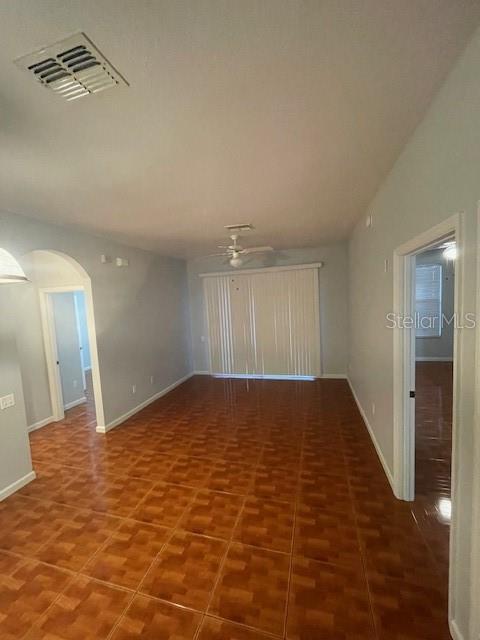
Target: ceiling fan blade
x,y
256,250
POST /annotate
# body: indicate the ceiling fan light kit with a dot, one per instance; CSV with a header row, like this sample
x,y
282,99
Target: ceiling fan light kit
x,y
236,261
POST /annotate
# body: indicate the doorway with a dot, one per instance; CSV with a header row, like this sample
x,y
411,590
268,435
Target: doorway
x,y
426,412
434,330
71,343
69,349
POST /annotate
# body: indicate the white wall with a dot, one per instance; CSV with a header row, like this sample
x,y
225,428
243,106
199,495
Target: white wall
x,y
68,348
436,175
141,316
440,347
333,298
15,461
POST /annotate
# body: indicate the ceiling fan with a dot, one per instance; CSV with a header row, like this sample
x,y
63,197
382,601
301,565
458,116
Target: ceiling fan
x,y
235,251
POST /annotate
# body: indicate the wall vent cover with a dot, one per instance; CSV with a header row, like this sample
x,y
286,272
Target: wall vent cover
x,y
73,68
239,227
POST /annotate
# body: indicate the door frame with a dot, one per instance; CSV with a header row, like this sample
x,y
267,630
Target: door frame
x,y
475,557
51,352
403,365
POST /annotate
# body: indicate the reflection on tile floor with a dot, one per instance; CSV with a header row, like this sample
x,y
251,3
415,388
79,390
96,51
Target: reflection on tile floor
x,y
226,510
433,444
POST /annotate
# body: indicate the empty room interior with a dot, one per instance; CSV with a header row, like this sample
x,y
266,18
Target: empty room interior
x,y
239,356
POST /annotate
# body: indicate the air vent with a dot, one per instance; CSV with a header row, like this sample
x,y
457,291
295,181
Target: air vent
x,y
239,227
73,68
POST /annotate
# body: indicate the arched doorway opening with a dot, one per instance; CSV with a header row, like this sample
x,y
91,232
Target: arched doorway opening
x,y
60,279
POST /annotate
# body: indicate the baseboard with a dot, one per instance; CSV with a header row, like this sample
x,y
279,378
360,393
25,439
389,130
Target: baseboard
x,y
74,403
40,424
18,484
253,376
340,376
433,359
455,631
334,376
142,405
388,473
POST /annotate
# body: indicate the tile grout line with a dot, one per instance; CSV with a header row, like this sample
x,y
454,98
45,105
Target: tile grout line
x,y
292,546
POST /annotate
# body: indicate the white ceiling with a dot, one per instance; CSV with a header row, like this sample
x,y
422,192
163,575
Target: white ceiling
x,y
284,113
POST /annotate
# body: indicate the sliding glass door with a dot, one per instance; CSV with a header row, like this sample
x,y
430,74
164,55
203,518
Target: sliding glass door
x,y
265,323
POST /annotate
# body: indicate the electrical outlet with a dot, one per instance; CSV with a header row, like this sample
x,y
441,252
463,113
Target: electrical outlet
x,y
202,338
386,265
134,389
373,408
7,401
152,379
75,384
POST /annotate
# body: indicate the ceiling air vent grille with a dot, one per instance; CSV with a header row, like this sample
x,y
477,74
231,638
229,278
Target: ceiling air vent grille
x,y
73,68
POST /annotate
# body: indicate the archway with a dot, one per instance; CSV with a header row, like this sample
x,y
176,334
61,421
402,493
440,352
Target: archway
x,y
52,272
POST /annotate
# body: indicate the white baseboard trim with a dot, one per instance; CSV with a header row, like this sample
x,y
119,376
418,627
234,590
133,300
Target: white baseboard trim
x,y
335,376
40,424
388,473
74,403
253,376
18,484
340,376
433,359
105,428
455,631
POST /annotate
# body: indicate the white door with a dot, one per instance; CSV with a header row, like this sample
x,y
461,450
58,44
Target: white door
x,y
264,323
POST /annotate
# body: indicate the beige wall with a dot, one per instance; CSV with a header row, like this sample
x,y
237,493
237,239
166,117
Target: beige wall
x,y
333,281
436,175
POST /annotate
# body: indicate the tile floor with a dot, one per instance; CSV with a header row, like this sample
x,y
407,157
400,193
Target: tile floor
x,y
227,510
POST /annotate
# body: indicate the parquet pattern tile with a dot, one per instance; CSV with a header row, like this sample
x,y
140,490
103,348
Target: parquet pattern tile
x,y
128,554
405,611
27,589
212,513
185,570
86,609
226,510
150,619
328,601
266,523
253,588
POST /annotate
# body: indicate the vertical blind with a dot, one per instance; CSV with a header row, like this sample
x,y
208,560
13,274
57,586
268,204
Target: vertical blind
x,y
264,323
428,303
